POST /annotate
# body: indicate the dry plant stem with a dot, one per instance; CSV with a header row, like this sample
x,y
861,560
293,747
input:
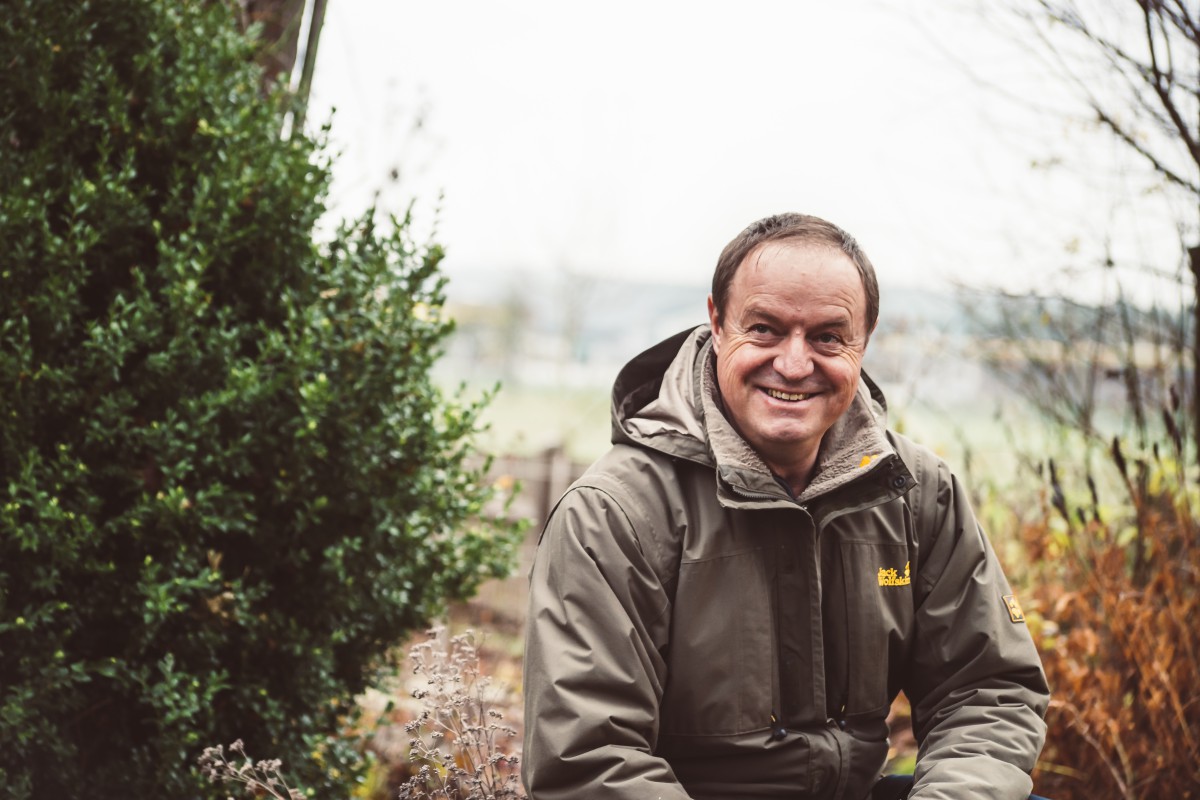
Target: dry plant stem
x,y
258,778
1114,733
458,736
1101,751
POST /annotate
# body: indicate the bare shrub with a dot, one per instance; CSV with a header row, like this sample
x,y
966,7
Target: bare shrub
x,y
459,737
1119,599
257,778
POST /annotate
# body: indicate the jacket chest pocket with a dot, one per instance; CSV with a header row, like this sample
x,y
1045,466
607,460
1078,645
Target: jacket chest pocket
x,y
721,664
877,582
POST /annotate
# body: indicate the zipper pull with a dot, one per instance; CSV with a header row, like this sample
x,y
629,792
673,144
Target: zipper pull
x,y
778,732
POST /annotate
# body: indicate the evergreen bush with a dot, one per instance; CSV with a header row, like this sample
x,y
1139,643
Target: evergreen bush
x,y
227,483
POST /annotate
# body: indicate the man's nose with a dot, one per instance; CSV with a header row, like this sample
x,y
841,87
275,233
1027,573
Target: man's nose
x,y
794,360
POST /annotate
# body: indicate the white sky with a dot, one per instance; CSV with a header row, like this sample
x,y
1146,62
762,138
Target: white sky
x,y
637,138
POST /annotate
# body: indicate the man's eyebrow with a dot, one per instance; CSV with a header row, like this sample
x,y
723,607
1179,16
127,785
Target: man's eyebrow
x,y
839,319
753,311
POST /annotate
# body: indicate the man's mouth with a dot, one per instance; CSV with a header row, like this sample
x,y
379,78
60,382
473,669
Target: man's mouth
x,y
787,396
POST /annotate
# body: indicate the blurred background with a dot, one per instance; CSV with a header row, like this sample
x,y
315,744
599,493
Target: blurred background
x,y
584,166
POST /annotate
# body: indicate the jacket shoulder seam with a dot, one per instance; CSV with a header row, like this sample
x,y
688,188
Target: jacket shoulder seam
x,y
623,498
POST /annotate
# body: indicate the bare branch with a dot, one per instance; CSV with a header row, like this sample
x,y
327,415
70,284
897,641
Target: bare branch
x,y
1161,106
1181,17
1133,143
1161,84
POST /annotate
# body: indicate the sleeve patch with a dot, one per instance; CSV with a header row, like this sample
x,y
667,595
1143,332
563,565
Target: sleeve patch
x,y
1014,608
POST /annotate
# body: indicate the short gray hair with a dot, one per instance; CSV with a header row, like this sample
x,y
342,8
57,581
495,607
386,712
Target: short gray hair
x,y
803,227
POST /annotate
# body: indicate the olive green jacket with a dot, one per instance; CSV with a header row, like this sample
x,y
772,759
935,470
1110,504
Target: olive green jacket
x,y
695,631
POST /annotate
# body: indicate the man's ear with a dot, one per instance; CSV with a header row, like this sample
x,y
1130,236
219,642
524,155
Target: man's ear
x,y
714,324
870,333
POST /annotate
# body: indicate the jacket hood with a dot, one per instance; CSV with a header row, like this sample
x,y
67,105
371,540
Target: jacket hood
x,y
666,399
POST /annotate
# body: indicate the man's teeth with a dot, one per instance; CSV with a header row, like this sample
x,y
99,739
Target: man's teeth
x,y
786,396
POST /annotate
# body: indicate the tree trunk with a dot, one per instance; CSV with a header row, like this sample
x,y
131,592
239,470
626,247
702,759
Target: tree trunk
x,y
1194,263
280,37
310,61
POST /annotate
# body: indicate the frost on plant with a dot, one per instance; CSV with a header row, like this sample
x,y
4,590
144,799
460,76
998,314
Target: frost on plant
x,y
458,738
262,778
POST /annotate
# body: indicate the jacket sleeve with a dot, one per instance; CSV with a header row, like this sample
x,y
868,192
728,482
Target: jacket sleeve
x,y
594,671
975,682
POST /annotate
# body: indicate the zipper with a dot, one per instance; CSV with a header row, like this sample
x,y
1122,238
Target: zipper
x,y
794,593
749,495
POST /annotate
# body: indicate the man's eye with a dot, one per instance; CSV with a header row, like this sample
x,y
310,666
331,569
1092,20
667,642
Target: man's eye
x,y
760,329
828,338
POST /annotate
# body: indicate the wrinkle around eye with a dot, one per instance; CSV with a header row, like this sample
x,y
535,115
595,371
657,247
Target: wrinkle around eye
x,y
759,332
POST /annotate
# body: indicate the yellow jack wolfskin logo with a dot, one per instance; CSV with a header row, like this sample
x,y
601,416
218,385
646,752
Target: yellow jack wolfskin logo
x,y
889,577
1014,608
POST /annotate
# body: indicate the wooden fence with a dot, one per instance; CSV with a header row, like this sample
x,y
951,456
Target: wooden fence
x,y
541,479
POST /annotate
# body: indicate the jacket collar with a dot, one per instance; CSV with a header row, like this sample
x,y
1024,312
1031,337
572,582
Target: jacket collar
x,y
667,399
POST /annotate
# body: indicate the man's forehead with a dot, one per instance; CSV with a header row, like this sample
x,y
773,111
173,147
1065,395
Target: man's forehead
x,y
816,280
776,247
819,265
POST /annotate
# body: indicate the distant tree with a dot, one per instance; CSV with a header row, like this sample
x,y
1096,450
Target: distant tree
x,y
228,485
1136,64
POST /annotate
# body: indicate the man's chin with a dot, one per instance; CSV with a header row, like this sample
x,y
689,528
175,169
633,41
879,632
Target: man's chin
x,y
782,438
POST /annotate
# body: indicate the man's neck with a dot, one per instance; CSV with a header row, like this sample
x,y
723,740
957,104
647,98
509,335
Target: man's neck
x,y
795,474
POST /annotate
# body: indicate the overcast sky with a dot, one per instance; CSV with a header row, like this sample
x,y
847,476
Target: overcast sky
x,y
637,138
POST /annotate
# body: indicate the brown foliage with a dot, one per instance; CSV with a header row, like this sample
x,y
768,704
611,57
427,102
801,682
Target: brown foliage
x,y
1119,631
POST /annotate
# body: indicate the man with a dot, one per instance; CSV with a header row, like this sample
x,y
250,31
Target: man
x,y
725,605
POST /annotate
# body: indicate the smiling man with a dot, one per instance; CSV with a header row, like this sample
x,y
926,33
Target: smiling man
x,y
726,604
789,339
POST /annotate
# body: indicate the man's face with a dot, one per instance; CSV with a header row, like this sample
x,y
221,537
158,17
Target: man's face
x,y
789,347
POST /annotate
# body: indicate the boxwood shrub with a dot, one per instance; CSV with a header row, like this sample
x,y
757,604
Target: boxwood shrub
x,y
227,483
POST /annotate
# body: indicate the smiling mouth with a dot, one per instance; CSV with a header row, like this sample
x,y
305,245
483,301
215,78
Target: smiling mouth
x,y
787,396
